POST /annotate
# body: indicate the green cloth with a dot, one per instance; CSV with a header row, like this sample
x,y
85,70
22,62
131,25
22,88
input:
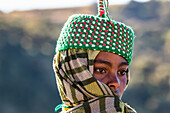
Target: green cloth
x,y
99,32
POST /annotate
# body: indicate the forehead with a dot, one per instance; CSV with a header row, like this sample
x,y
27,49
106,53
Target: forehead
x,y
110,57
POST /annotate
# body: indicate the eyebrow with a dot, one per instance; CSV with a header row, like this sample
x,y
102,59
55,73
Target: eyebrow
x,y
103,62
124,63
109,64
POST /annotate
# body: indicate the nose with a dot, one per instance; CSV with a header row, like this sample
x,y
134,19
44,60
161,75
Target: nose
x,y
114,82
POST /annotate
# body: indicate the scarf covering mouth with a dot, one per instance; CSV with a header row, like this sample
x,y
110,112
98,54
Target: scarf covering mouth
x,y
79,90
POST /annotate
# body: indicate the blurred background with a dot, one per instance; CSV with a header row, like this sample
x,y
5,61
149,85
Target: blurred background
x,y
27,47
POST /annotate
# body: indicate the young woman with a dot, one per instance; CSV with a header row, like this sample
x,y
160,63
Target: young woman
x,y
93,54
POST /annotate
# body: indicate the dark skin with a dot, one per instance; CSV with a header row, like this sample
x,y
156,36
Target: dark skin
x,y
111,69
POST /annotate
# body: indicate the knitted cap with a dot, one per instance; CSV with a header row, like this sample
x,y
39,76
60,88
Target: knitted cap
x,y
97,33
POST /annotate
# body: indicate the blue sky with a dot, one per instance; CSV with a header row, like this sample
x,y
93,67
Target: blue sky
x,y
12,5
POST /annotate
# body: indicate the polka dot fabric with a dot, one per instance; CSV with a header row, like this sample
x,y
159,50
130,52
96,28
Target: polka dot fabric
x,y
96,33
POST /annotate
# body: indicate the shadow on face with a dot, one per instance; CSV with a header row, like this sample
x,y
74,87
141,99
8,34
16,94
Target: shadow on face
x,y
112,70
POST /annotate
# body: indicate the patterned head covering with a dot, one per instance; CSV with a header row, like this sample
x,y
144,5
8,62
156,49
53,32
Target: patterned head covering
x,y
80,41
97,33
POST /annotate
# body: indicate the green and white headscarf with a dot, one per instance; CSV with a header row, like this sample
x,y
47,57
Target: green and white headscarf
x,y
80,41
79,90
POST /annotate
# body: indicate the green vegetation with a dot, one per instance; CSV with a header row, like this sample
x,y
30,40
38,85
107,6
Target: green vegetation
x,y
27,47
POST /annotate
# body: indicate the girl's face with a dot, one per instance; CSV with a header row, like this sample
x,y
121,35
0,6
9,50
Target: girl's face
x,y
111,69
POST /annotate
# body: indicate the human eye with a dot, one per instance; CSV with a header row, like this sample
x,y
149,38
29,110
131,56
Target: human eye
x,y
123,72
100,70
